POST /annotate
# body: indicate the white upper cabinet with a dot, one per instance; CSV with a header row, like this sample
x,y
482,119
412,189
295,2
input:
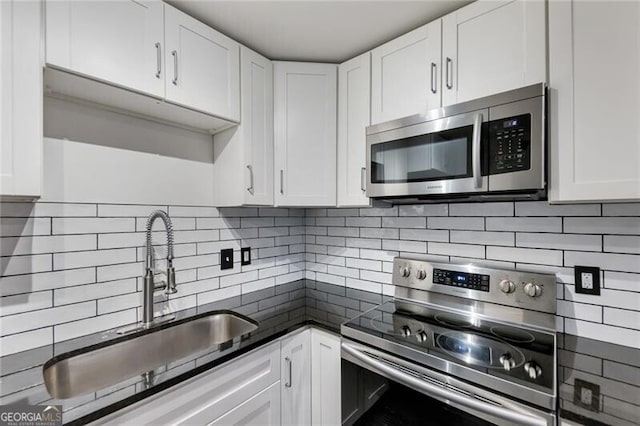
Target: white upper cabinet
x,y
203,66
594,107
405,74
354,97
20,99
492,46
120,42
243,155
305,134
296,379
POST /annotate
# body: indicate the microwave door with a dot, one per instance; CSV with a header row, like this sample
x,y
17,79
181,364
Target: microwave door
x,y
442,156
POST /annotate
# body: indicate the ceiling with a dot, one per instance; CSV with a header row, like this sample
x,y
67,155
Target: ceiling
x,y
315,31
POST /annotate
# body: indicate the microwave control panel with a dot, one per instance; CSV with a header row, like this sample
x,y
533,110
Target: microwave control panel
x,y
510,144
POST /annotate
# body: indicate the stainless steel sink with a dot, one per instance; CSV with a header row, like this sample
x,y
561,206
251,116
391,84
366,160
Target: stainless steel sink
x,y
87,370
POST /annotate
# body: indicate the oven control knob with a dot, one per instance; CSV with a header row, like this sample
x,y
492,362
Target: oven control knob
x,y
507,286
422,337
507,361
421,274
532,369
404,271
533,290
406,331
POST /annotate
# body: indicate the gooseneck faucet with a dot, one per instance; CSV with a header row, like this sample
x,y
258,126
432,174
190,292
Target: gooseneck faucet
x,y
149,286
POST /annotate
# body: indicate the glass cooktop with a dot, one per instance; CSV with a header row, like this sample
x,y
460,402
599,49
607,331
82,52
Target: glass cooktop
x,y
514,353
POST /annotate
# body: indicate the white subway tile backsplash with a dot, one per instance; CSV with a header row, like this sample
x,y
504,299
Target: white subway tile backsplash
x,y
609,333
342,212
83,259
117,272
543,208
368,243
88,225
460,250
379,211
19,284
525,224
16,226
185,211
609,261
387,233
343,251
482,209
289,221
14,246
365,222
120,303
602,225
215,295
342,232
424,210
330,221
16,265
331,279
622,281
560,241
383,255
404,222
622,244
402,245
26,340
238,212
17,323
612,298
273,211
43,209
622,318
579,311
238,234
256,222
482,237
26,302
523,255
465,223
82,293
273,272
371,265
120,210
257,285
92,325
178,224
217,223
621,209
424,235
273,232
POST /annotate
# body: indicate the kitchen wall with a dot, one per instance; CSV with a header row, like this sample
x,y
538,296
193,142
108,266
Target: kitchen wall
x,y
355,247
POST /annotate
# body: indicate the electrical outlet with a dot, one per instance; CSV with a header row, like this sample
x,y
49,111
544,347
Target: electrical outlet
x,y
586,395
587,279
226,259
245,256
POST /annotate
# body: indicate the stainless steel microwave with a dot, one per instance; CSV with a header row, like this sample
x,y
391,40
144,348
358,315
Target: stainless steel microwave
x,y
485,149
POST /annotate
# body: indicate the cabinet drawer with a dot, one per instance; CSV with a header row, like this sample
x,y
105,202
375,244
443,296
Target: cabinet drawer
x,y
208,396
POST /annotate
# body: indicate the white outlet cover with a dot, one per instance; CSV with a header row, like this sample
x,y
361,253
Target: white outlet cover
x,y
587,280
586,395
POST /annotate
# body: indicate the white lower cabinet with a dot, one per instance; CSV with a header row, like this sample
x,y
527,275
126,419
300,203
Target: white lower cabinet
x,y
272,385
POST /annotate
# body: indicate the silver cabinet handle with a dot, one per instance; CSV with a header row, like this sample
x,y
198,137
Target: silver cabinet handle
x,y
363,179
476,160
434,78
449,75
287,382
159,59
175,67
281,181
250,188
441,392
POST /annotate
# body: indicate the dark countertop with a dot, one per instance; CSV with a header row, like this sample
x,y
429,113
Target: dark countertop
x,y
614,369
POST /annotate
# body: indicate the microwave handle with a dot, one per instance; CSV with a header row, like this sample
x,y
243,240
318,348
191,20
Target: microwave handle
x,y
476,160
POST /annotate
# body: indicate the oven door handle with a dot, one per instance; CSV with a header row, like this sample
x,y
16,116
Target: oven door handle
x,y
435,391
476,160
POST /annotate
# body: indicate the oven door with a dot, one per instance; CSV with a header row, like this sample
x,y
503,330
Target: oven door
x,y
446,389
443,156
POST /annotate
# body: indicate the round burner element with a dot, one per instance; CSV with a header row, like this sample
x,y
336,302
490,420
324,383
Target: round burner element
x,y
478,350
396,325
453,320
512,334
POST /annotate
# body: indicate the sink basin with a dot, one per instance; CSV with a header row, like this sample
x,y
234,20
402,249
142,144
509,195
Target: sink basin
x,y
89,369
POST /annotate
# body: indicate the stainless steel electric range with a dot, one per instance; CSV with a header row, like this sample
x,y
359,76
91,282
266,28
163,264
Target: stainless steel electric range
x,y
478,339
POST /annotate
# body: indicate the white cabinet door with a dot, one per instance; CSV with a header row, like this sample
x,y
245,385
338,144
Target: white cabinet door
x,y
261,410
243,155
296,379
492,46
305,134
405,74
203,66
20,98
326,378
207,397
120,42
354,103
594,64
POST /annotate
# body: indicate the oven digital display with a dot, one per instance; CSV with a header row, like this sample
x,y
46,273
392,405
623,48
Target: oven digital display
x,y
461,279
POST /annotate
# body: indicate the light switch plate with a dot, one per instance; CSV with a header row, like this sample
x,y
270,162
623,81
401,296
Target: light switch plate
x,y
245,256
587,280
226,259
